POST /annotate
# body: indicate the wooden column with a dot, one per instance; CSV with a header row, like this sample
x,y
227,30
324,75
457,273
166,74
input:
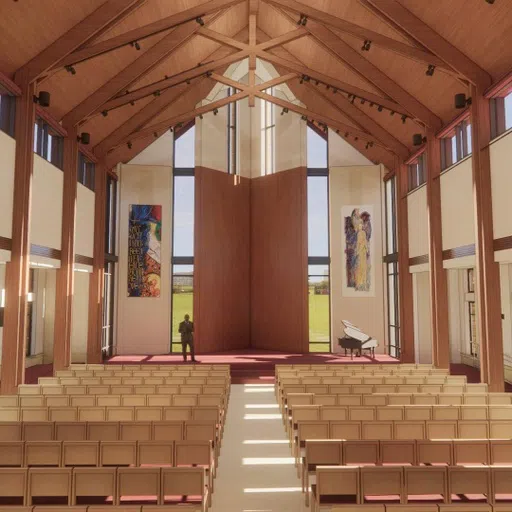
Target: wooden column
x,y
487,270
94,333
404,276
65,274
438,282
17,270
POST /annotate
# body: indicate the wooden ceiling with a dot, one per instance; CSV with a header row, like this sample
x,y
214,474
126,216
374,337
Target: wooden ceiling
x,y
468,41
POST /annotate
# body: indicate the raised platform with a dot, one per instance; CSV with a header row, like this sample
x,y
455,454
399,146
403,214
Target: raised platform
x,y
254,365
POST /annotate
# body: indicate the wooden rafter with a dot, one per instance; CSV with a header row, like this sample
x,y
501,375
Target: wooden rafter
x,y
76,36
427,36
387,43
253,19
148,30
368,71
148,60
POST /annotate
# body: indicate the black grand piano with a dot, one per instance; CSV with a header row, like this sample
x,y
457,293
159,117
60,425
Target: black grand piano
x,y
356,340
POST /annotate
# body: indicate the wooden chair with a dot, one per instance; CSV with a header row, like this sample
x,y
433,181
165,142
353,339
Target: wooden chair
x,y
434,452
397,452
177,413
135,431
12,454
471,451
470,481
362,414
421,481
13,484
334,413
102,431
29,401
167,431
390,413
155,453
307,430
63,413
49,483
118,453
43,453
442,429
120,414
334,485
11,431
381,483
500,451
34,414
350,430
91,414
91,483
360,452
501,483
80,453
473,429
409,430
132,483
177,483
377,429
148,413
38,431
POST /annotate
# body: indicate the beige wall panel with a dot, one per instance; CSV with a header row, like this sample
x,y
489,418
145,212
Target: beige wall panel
x,y
291,148
418,222
361,185
211,141
84,227
342,154
7,156
80,318
422,318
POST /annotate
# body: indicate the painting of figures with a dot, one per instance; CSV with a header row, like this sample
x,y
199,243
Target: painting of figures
x,y
358,251
144,244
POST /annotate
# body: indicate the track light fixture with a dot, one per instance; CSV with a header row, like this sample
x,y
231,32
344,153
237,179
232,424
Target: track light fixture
x,y
200,21
327,86
42,99
284,111
372,104
392,113
347,134
201,116
136,45
208,74
84,138
303,20
338,131
316,82
179,125
491,2
367,145
334,90
302,79
461,101
130,145
418,139
156,93
356,138
132,103
304,118
404,118
171,129
363,101
188,82
430,70
215,112
380,108
353,99
104,113
155,135
70,69
366,45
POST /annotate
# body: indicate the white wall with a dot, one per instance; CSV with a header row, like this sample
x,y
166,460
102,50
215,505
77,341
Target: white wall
x,y
212,140
143,324
2,291
418,222
84,224
457,213
458,341
80,318
342,154
157,153
46,210
501,182
7,157
357,186
422,318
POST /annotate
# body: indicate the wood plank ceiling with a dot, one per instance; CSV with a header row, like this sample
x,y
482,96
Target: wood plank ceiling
x,y
326,49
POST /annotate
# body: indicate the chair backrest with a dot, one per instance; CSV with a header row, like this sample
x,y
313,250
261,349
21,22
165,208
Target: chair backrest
x,y
118,453
183,482
339,481
155,453
360,452
324,452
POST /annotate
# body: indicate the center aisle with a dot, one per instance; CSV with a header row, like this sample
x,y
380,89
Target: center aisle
x,y
256,471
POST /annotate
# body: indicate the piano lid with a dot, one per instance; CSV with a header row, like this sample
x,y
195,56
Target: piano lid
x,y
348,324
357,334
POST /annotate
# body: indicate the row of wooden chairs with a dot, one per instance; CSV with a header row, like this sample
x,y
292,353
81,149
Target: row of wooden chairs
x,y
364,379
361,366
191,430
423,507
134,381
105,389
142,373
399,399
106,508
110,413
399,430
401,484
112,400
78,485
151,366
449,452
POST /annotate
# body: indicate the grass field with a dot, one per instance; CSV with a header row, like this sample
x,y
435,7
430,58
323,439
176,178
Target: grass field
x,y
182,303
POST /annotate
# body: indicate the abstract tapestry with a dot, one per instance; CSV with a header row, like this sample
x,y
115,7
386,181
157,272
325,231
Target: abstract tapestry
x,y
358,249
144,244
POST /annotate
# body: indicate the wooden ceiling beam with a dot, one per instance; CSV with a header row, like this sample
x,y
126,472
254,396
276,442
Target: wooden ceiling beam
x,y
368,71
364,34
94,103
212,35
253,19
395,11
302,69
255,88
158,87
148,30
75,37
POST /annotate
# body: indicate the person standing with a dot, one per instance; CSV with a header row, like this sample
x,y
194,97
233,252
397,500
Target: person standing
x,y
186,329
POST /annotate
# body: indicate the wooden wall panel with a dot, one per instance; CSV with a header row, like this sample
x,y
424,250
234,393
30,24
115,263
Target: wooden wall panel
x,y
279,308
221,261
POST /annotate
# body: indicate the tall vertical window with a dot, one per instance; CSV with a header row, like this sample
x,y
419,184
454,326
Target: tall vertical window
x,y
48,144
318,244
501,114
417,172
456,144
29,348
472,327
183,233
7,113
86,171
107,339
232,134
391,262
268,135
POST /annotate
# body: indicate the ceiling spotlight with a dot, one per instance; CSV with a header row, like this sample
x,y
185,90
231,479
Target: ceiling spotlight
x,y
353,99
284,111
316,82
130,145
156,93
327,86
418,139
362,101
179,125
208,74
304,118
367,145
430,70
461,101
155,135
346,134
337,131
404,118
356,138
70,69
170,129
381,108
132,103
84,138
302,79
372,104
201,116
491,2
200,21
42,99
392,113
188,82
334,90
104,113
215,112
303,20
366,45
136,45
